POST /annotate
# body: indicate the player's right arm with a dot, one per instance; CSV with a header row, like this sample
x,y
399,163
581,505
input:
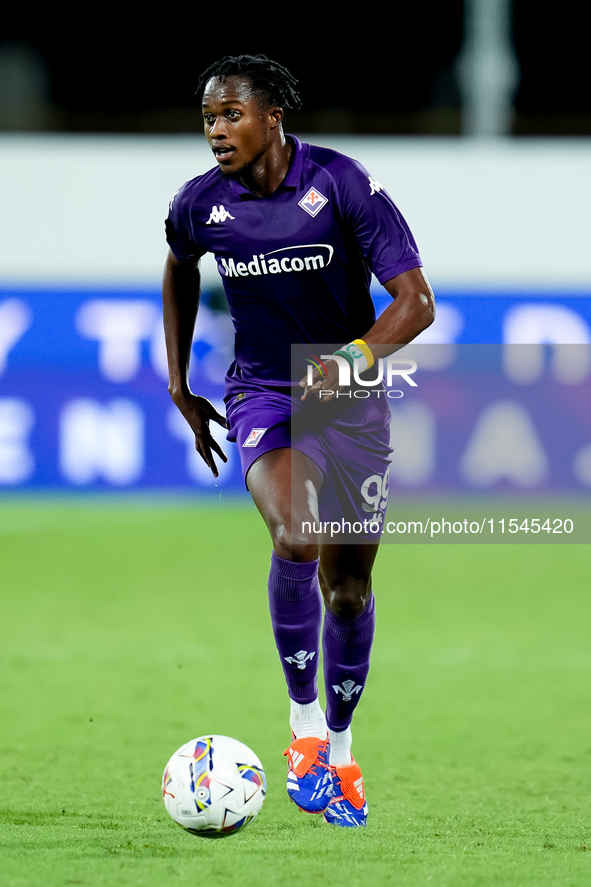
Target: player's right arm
x,y
181,288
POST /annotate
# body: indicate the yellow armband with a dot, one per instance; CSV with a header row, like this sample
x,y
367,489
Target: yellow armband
x,y
358,352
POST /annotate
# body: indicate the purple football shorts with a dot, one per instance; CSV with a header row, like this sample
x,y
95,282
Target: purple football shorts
x,y
347,438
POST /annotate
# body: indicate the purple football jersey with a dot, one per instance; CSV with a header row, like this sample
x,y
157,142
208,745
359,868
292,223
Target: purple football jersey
x,y
296,266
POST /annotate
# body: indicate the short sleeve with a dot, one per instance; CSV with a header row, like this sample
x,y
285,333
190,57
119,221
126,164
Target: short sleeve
x,y
385,239
179,230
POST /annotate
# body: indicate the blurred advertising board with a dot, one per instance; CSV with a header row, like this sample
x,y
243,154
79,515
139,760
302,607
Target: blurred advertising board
x,y
502,400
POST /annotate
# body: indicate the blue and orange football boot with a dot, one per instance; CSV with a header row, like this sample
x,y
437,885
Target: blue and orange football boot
x,y
309,777
348,807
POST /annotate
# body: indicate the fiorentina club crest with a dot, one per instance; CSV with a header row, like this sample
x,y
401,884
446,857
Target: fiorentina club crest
x,y
254,437
313,202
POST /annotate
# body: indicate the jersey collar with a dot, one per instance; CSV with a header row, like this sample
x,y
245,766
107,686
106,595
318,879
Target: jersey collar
x,y
291,181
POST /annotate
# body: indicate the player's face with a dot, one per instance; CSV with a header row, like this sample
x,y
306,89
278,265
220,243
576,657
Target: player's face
x,y
237,126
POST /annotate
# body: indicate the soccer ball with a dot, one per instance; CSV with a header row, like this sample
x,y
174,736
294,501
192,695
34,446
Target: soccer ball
x,y
213,786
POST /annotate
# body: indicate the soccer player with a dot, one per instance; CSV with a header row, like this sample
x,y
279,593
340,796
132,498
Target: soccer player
x,y
297,231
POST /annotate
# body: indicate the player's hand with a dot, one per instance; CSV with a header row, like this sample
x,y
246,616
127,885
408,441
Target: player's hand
x,y
199,412
324,385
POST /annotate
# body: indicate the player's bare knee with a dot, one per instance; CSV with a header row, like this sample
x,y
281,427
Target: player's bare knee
x,y
293,546
347,599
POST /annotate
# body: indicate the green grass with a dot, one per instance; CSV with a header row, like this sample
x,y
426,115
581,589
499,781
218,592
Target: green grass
x,y
128,627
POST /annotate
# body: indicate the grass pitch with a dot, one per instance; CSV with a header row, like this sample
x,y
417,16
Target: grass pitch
x,y
130,626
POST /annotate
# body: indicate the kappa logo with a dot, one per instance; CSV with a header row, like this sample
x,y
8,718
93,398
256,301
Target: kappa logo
x,y
313,201
254,437
219,214
374,186
300,659
348,689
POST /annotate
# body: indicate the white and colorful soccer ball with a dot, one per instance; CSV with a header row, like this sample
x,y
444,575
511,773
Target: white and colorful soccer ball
x,y
213,786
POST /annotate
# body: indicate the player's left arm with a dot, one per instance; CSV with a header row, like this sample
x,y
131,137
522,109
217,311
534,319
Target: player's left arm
x,y
411,311
387,244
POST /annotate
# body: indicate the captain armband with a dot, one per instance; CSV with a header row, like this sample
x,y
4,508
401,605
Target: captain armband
x,y
358,353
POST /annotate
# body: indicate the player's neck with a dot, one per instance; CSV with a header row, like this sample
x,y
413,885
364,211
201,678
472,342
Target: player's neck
x,y
265,175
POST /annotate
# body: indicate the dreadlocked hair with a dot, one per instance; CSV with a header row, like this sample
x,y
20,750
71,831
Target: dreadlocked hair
x,y
269,79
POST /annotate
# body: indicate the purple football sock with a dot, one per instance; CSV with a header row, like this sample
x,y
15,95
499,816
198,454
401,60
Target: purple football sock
x,y
295,603
347,646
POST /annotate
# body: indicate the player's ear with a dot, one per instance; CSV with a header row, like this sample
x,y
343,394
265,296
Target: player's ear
x,y
275,117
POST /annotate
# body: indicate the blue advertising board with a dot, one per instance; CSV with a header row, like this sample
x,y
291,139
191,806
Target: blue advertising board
x,y
84,402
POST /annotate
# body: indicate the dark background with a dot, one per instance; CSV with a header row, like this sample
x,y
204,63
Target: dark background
x,y
389,69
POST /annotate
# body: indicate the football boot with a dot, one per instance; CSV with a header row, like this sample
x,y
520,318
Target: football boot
x,y
309,777
348,806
